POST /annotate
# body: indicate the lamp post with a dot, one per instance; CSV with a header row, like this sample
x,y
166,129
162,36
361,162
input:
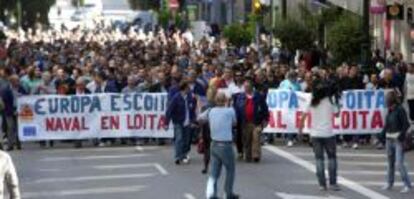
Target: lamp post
x,y
366,45
19,14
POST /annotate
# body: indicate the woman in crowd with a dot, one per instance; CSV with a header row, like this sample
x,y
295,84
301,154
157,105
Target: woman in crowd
x,y
395,130
321,132
409,90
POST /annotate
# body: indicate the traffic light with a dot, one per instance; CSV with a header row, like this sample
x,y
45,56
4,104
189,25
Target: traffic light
x,y
257,6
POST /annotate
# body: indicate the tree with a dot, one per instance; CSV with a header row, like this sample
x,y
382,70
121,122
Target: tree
x,y
144,4
294,35
164,14
35,11
32,11
345,37
238,34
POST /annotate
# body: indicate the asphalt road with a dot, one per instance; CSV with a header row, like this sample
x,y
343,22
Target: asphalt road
x,y
148,172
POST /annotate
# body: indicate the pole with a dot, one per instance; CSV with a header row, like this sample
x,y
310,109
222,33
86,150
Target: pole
x,y
19,14
272,12
258,42
366,46
284,9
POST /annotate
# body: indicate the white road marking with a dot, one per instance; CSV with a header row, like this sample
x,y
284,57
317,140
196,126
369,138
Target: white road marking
x,y
122,166
365,183
310,167
157,166
161,169
300,196
370,172
139,148
359,163
94,157
78,192
91,178
87,149
189,196
50,170
353,155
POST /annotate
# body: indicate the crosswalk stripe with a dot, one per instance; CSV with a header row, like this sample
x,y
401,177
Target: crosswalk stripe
x,y
95,149
99,149
78,192
365,183
94,157
357,187
368,172
359,163
157,166
122,166
189,196
354,155
91,178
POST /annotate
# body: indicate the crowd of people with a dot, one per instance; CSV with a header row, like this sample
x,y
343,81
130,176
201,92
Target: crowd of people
x,y
193,73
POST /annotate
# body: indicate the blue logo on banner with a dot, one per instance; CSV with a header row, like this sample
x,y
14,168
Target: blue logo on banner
x,y
29,131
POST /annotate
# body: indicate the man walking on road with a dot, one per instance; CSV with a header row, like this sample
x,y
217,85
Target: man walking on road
x,y
253,112
181,110
221,120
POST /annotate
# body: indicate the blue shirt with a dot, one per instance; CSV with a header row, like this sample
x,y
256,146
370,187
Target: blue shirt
x,y
221,120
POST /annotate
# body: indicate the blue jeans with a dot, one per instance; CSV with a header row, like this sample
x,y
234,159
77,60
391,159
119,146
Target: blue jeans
x,y
182,141
222,154
395,154
320,146
289,136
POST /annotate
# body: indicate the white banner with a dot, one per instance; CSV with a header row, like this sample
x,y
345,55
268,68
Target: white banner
x,y
53,117
361,111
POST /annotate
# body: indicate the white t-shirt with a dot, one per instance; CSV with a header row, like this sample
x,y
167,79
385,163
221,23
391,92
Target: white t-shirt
x,y
409,83
321,123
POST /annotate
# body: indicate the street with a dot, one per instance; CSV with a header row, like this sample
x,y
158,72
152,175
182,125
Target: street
x,y
149,172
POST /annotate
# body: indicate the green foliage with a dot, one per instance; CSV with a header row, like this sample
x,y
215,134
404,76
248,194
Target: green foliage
x,y
164,18
164,14
35,11
345,37
294,35
32,11
179,20
144,4
238,34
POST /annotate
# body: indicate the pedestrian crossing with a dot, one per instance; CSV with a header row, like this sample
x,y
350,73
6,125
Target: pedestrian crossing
x,y
92,193
97,173
368,167
365,169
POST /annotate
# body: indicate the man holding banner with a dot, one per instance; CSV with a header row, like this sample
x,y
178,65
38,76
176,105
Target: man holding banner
x,y
102,85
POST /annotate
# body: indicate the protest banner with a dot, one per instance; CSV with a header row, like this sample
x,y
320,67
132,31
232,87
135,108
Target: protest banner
x,y
53,117
359,111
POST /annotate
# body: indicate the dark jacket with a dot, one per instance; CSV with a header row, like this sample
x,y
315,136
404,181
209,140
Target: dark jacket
x,y
397,121
111,87
6,94
176,109
260,112
354,83
200,87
